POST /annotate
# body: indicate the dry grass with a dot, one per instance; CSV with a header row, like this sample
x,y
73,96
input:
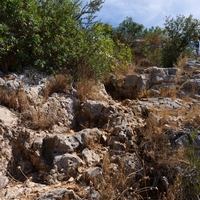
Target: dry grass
x,y
59,83
169,92
181,62
165,92
41,120
187,97
121,71
180,65
90,89
38,118
32,115
84,89
161,119
192,116
159,160
16,99
120,183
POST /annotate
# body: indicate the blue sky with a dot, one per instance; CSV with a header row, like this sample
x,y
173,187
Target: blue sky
x,y
146,12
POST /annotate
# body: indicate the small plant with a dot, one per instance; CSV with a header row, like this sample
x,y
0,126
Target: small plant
x,y
169,92
190,175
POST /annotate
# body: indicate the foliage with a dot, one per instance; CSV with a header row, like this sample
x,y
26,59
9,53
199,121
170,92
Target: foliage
x,y
87,15
107,52
57,36
18,27
189,179
179,33
154,41
128,31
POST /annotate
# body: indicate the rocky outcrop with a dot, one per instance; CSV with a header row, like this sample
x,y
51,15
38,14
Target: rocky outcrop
x,y
155,81
55,146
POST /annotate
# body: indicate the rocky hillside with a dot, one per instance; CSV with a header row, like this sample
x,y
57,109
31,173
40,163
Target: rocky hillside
x,y
134,137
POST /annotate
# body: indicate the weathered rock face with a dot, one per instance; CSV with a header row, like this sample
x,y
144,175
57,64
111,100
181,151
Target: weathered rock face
x,y
59,194
96,149
155,80
7,117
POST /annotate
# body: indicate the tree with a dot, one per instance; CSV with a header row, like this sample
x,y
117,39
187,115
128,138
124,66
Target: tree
x,y
86,14
154,40
107,54
128,31
179,33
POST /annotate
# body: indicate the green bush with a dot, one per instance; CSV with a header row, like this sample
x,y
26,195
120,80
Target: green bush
x,y
154,41
18,28
179,32
57,36
128,31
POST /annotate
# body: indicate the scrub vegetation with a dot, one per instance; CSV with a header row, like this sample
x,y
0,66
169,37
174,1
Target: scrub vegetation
x,y
63,38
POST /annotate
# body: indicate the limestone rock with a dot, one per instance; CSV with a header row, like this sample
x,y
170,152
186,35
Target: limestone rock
x,y
94,175
90,157
59,194
88,136
3,180
69,163
91,194
66,144
7,117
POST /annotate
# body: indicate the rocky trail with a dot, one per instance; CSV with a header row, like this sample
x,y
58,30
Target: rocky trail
x,y
117,143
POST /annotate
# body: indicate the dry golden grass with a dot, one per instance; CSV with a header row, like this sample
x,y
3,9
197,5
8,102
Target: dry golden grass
x,y
120,72
144,94
158,160
165,92
16,99
160,119
164,160
181,66
84,89
119,182
38,118
42,120
192,116
169,92
90,89
59,83
181,62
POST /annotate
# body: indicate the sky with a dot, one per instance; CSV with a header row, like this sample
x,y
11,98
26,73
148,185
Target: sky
x,y
146,12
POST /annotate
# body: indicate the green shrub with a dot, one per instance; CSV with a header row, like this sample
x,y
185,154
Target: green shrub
x,y
154,41
179,32
18,27
56,36
190,176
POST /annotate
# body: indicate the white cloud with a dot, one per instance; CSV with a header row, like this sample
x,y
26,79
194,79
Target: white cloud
x,y
146,12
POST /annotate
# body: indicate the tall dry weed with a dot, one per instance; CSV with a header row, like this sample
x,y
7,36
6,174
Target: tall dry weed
x,y
90,89
169,92
39,118
181,62
58,83
16,99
